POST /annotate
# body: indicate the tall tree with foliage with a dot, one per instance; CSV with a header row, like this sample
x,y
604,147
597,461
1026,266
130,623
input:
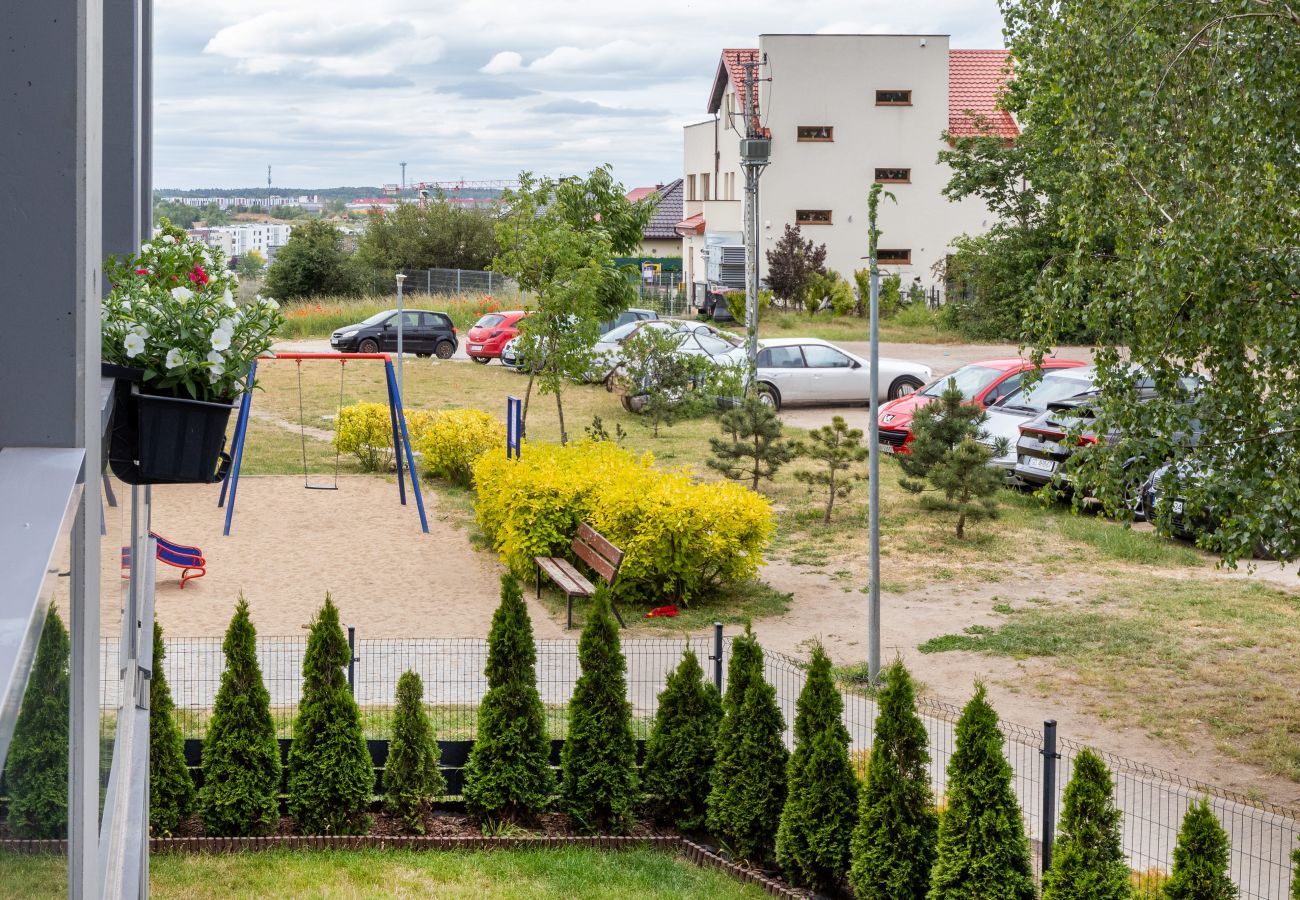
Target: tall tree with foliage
x,y
508,774
241,757
664,384
893,844
36,768
312,262
791,263
1088,861
679,752
428,235
171,789
983,853
1200,869
756,450
412,775
812,840
838,448
743,667
331,775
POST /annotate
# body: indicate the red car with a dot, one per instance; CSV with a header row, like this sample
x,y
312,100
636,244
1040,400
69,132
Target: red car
x,y
490,333
984,382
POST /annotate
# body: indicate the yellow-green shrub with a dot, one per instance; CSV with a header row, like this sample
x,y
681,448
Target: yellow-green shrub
x,y
681,539
455,438
366,431
418,423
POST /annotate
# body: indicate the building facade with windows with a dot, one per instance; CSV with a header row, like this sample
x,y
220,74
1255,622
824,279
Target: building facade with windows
x,y
236,240
842,111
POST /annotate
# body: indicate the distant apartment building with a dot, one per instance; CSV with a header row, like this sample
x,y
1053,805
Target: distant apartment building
x,y
842,111
309,202
236,240
660,237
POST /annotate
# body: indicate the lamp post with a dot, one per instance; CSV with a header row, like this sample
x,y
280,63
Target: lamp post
x,y
873,442
400,319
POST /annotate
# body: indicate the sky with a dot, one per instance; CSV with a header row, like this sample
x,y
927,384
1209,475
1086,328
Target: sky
x,y
340,92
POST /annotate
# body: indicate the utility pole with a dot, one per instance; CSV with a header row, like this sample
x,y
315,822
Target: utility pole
x,y
268,176
403,176
755,155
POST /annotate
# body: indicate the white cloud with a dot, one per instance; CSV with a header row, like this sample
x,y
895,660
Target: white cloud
x,y
505,61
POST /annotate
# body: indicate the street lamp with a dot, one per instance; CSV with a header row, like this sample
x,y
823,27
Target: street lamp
x,y
400,319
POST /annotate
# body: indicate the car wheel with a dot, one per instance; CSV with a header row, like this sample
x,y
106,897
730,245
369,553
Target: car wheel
x,y
769,396
444,349
481,360
369,345
904,385
633,404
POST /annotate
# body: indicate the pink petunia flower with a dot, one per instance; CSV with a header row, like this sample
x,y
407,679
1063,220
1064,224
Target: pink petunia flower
x,y
198,276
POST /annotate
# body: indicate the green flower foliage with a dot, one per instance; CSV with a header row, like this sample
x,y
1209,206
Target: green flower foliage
x,y
508,773
679,752
36,770
983,852
331,775
171,789
812,841
241,757
412,777
1088,862
1200,858
894,843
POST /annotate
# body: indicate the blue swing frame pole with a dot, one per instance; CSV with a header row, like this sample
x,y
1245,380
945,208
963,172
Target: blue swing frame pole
x,y
394,416
399,422
241,433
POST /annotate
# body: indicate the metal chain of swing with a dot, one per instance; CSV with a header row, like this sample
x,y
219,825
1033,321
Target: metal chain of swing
x,y
302,431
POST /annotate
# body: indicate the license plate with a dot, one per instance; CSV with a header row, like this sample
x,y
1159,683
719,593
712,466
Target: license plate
x,y
885,448
1042,465
1178,507
476,346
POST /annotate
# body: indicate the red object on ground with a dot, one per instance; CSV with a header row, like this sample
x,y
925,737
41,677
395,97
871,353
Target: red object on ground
x,y
661,611
491,333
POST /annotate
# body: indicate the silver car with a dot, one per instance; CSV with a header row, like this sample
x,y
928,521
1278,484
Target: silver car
x,y
812,371
1007,415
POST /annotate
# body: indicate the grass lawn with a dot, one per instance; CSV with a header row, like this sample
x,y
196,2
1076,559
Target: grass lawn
x,y
916,325
569,873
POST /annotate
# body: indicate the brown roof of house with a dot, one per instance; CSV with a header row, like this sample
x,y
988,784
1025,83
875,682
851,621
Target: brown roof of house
x,y
668,211
976,79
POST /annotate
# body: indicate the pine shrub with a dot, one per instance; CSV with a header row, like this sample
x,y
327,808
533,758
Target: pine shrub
x,y
171,789
331,775
812,841
36,770
1200,869
983,853
745,664
241,757
679,752
412,775
838,448
894,842
756,449
1088,862
508,774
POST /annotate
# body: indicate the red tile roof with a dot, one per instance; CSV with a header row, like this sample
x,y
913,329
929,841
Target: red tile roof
x,y
691,225
731,69
976,78
640,193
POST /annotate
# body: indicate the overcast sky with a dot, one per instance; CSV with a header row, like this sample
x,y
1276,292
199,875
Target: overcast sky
x,y
339,92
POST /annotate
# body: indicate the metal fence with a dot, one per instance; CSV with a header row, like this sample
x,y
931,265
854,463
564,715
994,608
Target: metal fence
x,y
1153,802
443,282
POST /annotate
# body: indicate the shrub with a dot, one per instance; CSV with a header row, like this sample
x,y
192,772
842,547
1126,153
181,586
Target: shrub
x,y
812,841
508,774
756,449
36,770
838,448
412,777
1295,882
1088,863
894,843
829,286
983,851
455,438
1148,884
331,775
745,665
679,752
1200,869
599,757
171,789
366,431
241,757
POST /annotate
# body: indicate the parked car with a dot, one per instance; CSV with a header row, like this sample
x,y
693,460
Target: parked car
x,y
510,354
812,371
1010,412
627,316
490,333
424,333
985,382
698,342
607,354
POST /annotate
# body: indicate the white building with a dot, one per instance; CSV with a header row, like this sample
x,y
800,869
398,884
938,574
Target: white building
x,y
842,111
309,202
236,240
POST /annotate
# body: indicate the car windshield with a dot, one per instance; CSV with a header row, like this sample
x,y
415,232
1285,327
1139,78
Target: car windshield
x,y
489,320
378,317
617,335
1051,388
970,381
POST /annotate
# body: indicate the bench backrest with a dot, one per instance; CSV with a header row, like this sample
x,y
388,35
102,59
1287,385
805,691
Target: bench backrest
x,y
591,547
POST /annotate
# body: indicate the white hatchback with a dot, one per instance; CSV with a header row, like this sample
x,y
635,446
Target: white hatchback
x,y
812,371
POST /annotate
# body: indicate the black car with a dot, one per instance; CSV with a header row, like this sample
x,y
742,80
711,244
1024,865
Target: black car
x,y
424,333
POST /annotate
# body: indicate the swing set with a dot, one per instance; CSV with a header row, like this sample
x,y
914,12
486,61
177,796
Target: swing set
x,y
401,440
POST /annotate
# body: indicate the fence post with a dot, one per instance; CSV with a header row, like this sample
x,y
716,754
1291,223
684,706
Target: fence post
x,y
716,656
1050,756
428,281
352,660
458,281
489,282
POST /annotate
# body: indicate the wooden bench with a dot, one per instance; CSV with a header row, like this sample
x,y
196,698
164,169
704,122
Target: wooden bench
x,y
592,548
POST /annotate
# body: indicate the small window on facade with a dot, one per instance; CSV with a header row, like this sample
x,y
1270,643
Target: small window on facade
x,y
704,187
894,176
812,217
816,133
893,98
894,257
690,187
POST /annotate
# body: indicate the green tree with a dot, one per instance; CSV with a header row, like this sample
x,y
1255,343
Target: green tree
x,y
658,380
756,449
838,448
791,263
251,265
429,235
894,843
241,757
812,840
679,752
181,215
331,775
171,789
36,769
312,262
1295,881
1200,869
598,763
1088,861
508,774
983,853
948,458
412,775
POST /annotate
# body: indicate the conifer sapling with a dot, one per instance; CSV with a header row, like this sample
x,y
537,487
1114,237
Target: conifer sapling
x,y
171,789
412,776
679,752
1200,869
1088,862
745,664
36,767
755,449
838,448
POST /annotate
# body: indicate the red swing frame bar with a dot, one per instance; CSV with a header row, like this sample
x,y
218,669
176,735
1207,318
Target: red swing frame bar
x,y
401,439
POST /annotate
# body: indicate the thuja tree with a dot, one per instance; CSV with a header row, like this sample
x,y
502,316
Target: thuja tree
x,y
983,852
1295,882
679,752
755,450
412,776
838,448
1088,862
241,757
894,842
331,775
1200,869
171,789
508,773
812,841
599,757
745,664
36,770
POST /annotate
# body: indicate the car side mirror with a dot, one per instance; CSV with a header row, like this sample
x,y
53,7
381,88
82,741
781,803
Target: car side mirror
x,y
856,364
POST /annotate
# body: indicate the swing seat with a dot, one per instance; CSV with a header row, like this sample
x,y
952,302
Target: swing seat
x,y
188,559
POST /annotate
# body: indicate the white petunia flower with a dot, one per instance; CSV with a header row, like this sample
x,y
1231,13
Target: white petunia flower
x,y
174,358
220,339
229,299
217,362
271,303
134,344
227,325
168,239
142,331
181,294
